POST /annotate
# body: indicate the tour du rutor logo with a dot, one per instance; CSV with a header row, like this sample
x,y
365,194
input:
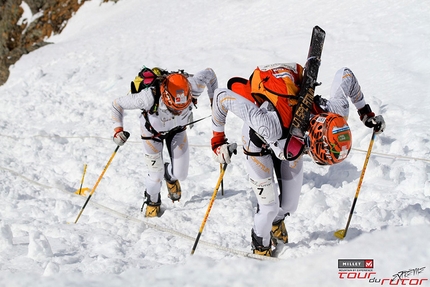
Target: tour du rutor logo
x,y
362,269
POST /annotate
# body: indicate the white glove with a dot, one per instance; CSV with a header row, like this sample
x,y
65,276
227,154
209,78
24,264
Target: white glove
x,y
120,137
222,154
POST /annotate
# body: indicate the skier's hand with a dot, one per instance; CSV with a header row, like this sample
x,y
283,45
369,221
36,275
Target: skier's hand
x,y
221,148
377,123
222,154
120,136
370,120
218,139
319,105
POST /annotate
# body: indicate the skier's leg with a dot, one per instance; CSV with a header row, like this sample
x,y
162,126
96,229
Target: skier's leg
x,y
290,180
260,170
290,184
153,160
177,146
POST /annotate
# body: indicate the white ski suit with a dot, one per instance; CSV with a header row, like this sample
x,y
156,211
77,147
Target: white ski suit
x,y
274,203
163,121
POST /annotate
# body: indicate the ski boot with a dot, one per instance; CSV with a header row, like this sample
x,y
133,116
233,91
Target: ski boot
x,y
173,186
280,231
152,208
258,247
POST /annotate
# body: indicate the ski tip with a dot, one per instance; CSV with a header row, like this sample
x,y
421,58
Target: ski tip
x,y
319,28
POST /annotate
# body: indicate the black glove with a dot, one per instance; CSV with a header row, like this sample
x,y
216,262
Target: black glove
x,y
320,102
370,120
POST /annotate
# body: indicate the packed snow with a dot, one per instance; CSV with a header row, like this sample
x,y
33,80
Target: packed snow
x,y
55,120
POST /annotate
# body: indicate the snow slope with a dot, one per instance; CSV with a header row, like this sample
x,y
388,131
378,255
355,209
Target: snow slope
x,y
55,119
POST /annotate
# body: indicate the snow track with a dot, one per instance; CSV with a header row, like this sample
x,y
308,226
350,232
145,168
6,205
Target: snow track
x,y
145,222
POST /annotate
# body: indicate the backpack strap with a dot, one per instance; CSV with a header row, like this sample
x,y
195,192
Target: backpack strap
x,y
261,153
259,142
156,92
148,125
156,135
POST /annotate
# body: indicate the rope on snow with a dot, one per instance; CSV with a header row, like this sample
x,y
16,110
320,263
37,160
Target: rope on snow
x,y
205,146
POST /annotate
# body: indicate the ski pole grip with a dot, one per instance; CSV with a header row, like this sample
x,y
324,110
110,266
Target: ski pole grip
x,y
232,148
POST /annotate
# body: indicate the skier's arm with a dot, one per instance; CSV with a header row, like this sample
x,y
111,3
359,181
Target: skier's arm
x,y
265,123
205,78
143,100
345,86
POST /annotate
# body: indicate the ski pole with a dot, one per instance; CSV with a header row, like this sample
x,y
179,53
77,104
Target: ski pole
x,y
209,207
82,180
178,128
222,181
98,180
341,233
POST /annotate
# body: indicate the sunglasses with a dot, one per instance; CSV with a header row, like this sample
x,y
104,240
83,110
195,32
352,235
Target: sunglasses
x,y
148,77
294,147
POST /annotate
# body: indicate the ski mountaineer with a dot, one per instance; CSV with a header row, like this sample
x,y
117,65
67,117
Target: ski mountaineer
x,y
267,117
165,100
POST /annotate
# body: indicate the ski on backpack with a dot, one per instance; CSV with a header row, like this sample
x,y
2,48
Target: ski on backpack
x,y
300,122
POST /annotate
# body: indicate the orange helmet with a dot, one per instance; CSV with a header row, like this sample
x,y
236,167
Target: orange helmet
x,y
176,93
330,138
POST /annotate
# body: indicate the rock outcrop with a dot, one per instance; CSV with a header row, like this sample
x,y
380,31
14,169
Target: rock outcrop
x,y
21,36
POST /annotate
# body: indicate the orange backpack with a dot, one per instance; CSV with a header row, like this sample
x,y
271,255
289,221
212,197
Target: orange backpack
x,y
277,83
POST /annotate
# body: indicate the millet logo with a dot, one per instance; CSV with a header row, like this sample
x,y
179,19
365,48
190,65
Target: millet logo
x,y
355,264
